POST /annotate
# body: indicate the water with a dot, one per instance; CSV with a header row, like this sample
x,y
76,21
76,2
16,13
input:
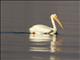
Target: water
x,y
17,16
39,47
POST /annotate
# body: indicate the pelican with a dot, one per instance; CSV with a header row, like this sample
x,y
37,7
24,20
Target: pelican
x,y
42,29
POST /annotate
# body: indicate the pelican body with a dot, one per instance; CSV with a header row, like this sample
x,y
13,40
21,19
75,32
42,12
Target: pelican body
x,y
43,29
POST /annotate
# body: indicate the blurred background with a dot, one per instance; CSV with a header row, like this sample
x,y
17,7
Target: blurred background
x,y
19,16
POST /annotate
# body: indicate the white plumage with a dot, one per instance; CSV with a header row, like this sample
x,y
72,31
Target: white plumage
x,y
40,28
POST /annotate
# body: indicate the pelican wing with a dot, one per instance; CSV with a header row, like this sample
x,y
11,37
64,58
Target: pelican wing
x,y
40,28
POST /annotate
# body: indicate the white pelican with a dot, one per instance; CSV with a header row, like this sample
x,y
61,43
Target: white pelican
x,y
41,29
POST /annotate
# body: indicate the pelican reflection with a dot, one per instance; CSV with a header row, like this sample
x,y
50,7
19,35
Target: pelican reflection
x,y
44,43
45,57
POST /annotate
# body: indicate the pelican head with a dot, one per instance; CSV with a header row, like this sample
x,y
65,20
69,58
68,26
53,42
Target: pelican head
x,y
54,17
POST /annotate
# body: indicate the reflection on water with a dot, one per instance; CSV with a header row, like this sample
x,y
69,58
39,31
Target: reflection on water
x,y
45,57
54,57
44,43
